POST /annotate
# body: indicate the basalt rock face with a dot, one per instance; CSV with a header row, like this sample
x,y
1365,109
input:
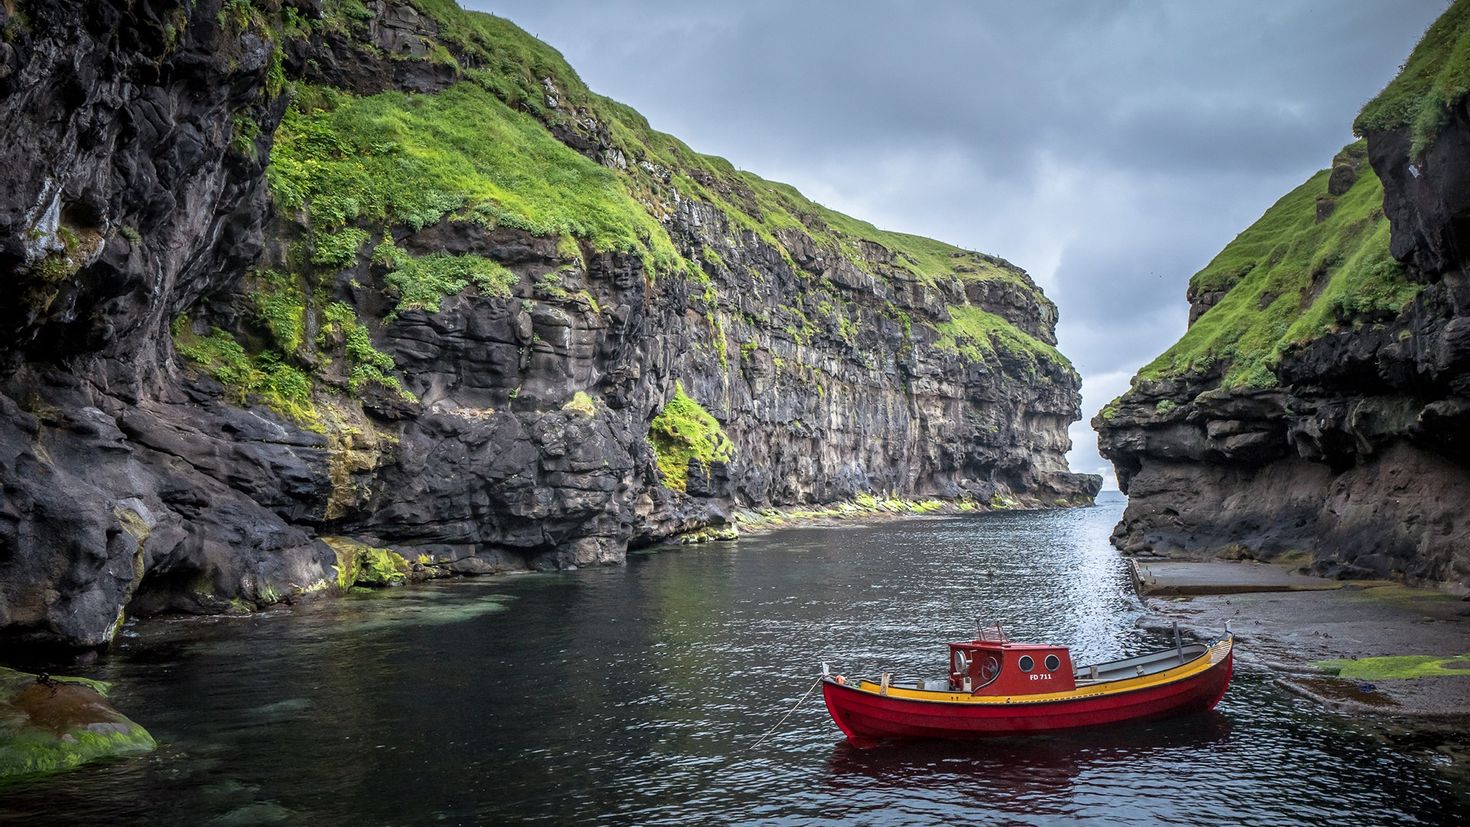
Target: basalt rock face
x,y
1352,451
211,361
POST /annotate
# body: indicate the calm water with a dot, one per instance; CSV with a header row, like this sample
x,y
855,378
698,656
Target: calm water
x,y
632,696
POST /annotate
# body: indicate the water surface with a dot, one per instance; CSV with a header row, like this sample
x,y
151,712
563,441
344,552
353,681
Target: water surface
x,y
632,695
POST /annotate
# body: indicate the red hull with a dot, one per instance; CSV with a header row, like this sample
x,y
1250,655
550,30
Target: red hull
x,y
863,715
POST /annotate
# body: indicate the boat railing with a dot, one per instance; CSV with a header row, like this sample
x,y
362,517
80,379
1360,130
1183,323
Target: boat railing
x,y
990,634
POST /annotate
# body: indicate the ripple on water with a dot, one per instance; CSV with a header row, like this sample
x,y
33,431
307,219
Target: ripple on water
x,y
632,695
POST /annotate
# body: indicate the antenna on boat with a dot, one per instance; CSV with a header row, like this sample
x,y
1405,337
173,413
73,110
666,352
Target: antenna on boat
x,y
1178,643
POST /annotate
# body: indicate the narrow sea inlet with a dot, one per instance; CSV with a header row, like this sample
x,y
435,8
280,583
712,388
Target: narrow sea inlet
x,y
632,695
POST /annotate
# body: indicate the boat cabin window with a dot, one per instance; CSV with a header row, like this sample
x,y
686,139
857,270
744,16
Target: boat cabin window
x,y
1026,663
1052,662
989,670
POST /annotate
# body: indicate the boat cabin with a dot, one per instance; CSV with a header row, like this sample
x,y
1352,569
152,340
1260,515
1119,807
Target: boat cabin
x,y
993,665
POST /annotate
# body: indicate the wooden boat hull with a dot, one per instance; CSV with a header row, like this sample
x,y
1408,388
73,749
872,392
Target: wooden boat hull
x,y
863,714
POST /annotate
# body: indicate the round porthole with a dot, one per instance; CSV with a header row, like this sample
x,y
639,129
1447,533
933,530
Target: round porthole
x,y
1053,663
1025,663
989,669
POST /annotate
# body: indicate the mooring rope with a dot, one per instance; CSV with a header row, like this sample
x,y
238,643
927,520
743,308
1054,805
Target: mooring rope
x,y
772,730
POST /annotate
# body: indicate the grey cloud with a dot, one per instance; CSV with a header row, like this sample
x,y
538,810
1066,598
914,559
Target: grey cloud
x,y
1110,148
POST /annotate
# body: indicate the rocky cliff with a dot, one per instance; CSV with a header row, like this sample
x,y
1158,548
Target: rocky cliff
x,y
308,293
1319,403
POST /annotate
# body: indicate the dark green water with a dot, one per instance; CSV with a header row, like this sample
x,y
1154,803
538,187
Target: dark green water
x,y
632,695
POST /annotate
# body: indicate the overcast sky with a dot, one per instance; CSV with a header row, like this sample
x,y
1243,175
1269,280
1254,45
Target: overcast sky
x,y
1109,148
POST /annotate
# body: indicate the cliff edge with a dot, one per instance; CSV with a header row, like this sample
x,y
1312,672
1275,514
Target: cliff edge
x,y
1317,407
312,293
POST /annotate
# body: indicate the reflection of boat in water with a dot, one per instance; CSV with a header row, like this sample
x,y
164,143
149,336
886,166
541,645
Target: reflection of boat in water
x,y
1023,774
996,686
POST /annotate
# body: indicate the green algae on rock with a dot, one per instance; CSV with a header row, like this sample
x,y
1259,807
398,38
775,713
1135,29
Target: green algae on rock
x,y
1397,667
60,724
359,564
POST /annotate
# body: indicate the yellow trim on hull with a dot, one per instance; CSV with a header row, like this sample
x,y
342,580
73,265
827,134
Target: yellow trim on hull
x,y
1210,658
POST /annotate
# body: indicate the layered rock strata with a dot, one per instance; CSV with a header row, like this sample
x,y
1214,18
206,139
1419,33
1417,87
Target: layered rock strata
x,y
308,293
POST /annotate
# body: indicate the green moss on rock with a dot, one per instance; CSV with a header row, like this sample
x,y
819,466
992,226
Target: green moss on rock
x,y
362,565
422,283
393,158
581,403
1397,667
685,431
282,387
50,727
280,304
978,335
366,364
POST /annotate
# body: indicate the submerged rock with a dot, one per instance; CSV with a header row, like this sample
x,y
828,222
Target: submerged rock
x,y
49,724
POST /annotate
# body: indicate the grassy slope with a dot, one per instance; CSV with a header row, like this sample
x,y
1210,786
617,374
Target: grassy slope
x,y
514,66
1291,279
1434,78
352,171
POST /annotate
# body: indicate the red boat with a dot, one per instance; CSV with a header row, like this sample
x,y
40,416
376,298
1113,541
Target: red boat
x,y
997,687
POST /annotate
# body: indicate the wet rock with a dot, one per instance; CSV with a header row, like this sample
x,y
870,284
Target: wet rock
x,y
50,724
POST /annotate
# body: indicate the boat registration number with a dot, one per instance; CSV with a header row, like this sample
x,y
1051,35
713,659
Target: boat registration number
x,y
1041,676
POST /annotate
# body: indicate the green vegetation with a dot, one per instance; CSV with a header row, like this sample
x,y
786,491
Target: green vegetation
x,y
338,249
682,431
282,387
976,334
423,282
47,728
1290,279
368,364
280,304
415,159
660,169
1394,667
581,403
1434,79
247,132
359,564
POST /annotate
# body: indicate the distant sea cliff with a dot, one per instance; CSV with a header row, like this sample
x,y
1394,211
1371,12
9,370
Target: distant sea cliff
x,y
1319,404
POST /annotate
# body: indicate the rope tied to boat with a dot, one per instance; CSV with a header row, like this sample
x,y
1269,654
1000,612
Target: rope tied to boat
x,y
772,730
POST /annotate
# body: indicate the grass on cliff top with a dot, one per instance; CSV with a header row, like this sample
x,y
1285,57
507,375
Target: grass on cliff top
x,y
1434,78
515,65
481,151
1290,280
978,334
414,159
682,431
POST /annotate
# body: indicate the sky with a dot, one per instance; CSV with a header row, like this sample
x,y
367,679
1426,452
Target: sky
x,y
1109,148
